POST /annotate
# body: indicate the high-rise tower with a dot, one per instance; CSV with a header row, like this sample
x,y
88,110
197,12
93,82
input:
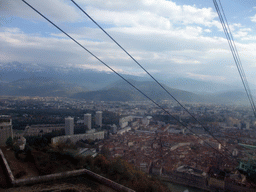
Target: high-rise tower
x,y
69,126
98,118
88,120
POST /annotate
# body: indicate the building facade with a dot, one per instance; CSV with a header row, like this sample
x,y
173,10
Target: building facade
x,y
5,128
69,126
40,129
78,137
88,120
98,118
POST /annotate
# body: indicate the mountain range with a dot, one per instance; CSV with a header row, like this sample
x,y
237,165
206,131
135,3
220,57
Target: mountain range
x,y
25,80
122,91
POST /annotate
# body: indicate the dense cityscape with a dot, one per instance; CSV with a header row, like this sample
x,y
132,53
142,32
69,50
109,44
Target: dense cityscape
x,y
140,133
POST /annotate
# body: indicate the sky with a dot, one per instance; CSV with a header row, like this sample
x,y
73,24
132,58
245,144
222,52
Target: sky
x,y
176,38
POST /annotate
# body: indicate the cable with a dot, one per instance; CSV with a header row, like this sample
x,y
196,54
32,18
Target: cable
x,y
236,56
147,72
240,63
122,77
234,52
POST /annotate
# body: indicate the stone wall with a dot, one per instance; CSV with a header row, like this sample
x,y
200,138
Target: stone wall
x,y
58,176
6,168
52,177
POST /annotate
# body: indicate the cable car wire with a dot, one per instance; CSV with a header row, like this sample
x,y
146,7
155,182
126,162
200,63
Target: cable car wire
x,y
233,49
167,112
168,92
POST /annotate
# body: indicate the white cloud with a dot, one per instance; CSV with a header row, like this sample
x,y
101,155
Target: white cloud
x,y
234,26
142,18
33,48
253,18
249,38
243,32
160,10
57,10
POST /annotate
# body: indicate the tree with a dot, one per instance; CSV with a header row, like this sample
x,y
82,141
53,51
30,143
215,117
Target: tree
x,y
105,151
101,162
9,142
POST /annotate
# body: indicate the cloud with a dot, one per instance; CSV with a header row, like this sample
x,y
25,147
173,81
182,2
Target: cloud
x,y
150,11
253,18
34,48
164,37
130,19
243,32
59,11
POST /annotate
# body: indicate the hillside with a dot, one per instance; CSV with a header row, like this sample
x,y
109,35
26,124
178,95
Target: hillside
x,y
122,91
17,79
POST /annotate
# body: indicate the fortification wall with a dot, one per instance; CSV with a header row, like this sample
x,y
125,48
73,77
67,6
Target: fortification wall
x,y
6,168
52,177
